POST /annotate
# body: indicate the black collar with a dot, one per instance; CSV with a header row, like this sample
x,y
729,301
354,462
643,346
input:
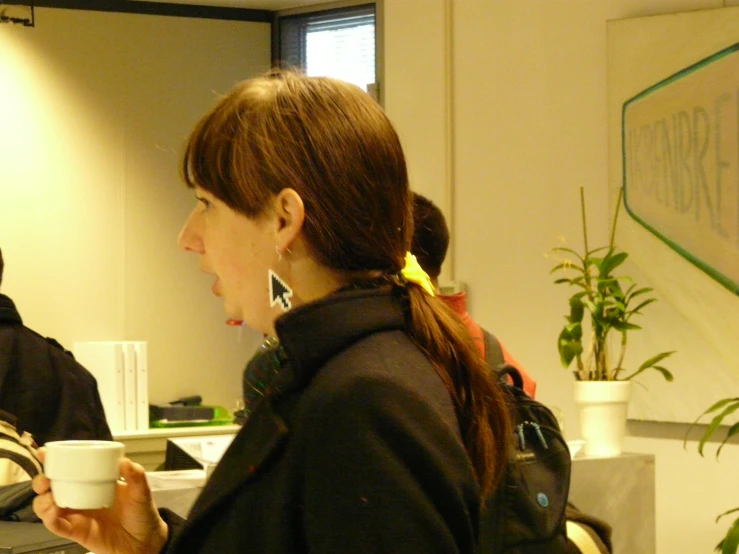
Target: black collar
x,y
310,335
313,333
8,312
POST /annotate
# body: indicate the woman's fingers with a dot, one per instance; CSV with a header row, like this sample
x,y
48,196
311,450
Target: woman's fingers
x,y
132,472
41,484
51,515
135,477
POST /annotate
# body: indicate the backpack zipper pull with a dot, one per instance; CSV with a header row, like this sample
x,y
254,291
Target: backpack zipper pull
x,y
521,437
539,434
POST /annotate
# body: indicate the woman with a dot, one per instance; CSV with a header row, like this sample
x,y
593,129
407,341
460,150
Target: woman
x,y
373,425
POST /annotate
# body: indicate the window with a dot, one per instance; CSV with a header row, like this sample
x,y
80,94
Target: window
x,y
337,43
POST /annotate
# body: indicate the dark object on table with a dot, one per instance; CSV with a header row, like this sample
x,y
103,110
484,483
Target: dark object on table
x,y
33,538
180,413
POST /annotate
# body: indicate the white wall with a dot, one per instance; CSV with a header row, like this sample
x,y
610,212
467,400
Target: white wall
x,y
529,123
95,108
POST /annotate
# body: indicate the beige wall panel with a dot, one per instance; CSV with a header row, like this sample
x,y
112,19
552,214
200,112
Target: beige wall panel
x,y
415,89
529,89
96,107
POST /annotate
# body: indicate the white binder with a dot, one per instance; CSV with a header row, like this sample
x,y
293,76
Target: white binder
x,y
129,384
142,385
121,370
105,361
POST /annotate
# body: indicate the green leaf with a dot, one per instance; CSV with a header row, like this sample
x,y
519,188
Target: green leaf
x,y
574,331
566,355
654,359
608,284
665,373
566,352
640,306
564,265
645,290
715,422
589,255
611,262
637,372
576,309
590,306
733,430
624,326
628,291
569,344
562,280
651,363
730,542
726,513
716,406
569,251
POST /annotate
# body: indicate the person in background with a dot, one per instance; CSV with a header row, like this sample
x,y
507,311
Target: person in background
x,y
371,422
51,396
430,244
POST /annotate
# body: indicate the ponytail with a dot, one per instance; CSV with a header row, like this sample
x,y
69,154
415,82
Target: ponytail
x,y
482,409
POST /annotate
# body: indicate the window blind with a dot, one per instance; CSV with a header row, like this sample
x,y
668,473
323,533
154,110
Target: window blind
x,y
336,43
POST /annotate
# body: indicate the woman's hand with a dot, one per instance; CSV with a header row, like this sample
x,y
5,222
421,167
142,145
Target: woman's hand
x,y
131,525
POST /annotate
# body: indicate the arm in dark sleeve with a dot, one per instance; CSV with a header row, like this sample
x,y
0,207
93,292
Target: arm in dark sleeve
x,y
384,473
81,414
174,523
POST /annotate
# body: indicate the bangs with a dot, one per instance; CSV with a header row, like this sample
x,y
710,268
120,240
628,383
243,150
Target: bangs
x,y
208,159
219,157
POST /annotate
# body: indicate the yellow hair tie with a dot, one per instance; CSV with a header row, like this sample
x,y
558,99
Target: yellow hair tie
x,y
414,273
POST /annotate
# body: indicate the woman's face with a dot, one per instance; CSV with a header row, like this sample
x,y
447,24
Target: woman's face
x,y
238,252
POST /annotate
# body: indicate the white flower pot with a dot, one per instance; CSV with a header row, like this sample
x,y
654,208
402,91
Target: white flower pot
x,y
603,406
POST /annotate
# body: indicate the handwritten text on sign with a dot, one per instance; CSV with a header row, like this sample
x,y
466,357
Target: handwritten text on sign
x,y
681,163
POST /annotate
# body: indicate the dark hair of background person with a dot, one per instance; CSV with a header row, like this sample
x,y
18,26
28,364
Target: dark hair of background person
x,y
333,144
430,235
2,266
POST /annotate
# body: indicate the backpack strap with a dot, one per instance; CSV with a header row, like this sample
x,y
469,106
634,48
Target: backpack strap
x,y
493,351
496,361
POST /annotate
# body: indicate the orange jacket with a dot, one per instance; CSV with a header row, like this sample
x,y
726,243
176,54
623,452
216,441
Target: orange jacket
x,y
458,304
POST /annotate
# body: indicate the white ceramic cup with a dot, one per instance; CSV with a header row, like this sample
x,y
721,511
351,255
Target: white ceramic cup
x,y
83,473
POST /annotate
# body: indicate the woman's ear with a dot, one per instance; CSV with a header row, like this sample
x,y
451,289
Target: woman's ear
x,y
290,213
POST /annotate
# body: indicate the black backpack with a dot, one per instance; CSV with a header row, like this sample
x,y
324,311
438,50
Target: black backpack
x,y
526,513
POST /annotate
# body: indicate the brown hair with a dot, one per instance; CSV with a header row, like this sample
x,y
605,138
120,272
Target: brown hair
x,y
336,148
430,235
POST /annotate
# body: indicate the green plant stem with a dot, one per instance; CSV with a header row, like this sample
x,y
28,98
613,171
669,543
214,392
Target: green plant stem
x,y
587,284
601,361
620,355
580,367
584,223
615,217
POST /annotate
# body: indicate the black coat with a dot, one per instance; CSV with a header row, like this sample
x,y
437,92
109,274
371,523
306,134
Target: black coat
x,y
362,454
41,384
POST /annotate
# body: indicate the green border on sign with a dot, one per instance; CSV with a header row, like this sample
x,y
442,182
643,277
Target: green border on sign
x,y
717,275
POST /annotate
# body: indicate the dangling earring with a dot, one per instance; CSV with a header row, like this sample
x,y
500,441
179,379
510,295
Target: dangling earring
x,y
279,291
279,254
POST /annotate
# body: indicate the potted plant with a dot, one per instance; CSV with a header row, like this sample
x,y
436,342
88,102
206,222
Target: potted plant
x,y
723,408
595,336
